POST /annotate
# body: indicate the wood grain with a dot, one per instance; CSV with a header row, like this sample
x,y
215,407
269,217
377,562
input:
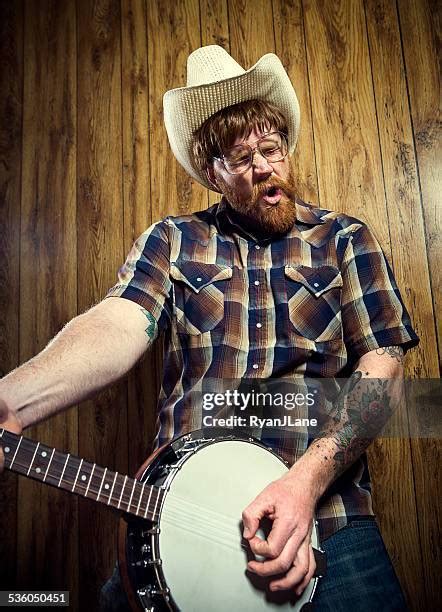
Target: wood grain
x,y
344,118
103,423
290,48
11,86
420,25
173,34
47,518
215,31
251,30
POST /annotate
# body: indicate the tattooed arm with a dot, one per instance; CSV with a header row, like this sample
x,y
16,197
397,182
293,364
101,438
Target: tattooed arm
x,y
92,351
363,407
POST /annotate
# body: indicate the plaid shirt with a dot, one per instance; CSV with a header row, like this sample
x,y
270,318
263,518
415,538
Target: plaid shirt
x,y
304,306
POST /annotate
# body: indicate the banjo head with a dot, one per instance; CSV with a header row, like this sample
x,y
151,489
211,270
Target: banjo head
x,y
199,553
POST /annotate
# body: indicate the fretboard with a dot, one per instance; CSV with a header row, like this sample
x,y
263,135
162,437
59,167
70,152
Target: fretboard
x,y
73,474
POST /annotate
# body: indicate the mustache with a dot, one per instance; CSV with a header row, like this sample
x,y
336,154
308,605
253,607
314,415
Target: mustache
x,y
261,189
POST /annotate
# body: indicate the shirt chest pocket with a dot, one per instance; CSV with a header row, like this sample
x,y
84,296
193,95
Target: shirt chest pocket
x,y
314,301
199,291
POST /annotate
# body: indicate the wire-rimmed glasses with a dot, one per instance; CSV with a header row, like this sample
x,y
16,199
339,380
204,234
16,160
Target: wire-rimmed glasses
x,y
238,159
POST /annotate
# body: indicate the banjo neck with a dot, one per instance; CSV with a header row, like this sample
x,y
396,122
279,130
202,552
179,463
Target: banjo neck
x,y
70,473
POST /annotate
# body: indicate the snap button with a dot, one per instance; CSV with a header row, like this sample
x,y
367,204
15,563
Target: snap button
x,y
257,247
315,284
255,366
259,325
256,283
199,279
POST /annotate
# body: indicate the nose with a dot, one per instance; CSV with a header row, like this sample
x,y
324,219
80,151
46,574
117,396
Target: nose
x,y
260,163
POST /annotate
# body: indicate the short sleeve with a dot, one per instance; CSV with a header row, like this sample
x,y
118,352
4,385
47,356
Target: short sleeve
x,y
144,277
373,313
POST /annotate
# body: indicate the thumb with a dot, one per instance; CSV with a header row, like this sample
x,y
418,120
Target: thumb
x,y
250,525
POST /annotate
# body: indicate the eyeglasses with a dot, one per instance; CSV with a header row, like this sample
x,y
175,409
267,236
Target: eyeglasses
x,y
239,159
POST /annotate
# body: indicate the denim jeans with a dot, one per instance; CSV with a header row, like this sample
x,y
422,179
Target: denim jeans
x,y
360,576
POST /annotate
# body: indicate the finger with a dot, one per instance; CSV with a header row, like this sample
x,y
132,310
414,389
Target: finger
x,y
281,563
297,573
250,519
310,573
282,531
271,567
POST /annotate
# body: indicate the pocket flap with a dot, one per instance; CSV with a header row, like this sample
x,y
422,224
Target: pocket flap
x,y
317,280
198,275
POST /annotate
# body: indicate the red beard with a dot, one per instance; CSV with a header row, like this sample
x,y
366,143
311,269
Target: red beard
x,y
261,218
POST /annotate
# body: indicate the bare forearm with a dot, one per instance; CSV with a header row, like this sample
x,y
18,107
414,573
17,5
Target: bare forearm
x,y
91,352
364,406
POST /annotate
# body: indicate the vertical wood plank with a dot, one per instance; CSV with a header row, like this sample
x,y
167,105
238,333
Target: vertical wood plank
x,y
344,117
290,48
421,30
214,31
47,553
103,424
11,86
251,30
173,33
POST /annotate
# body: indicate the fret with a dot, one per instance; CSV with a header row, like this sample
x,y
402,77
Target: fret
x,y
122,489
131,495
32,460
156,503
64,468
148,502
112,490
49,464
90,480
16,451
102,482
78,472
139,501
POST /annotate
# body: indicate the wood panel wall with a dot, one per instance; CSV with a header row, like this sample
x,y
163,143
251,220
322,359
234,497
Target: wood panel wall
x,y
85,166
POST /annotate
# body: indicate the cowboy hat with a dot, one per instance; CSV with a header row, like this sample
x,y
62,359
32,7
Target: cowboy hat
x,y
214,81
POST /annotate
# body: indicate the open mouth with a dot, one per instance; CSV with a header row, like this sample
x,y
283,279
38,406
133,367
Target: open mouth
x,y
272,195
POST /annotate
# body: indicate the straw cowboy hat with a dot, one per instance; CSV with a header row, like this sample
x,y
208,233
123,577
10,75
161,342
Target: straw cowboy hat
x,y
214,81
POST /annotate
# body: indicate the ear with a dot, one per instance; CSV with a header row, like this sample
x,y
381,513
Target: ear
x,y
212,178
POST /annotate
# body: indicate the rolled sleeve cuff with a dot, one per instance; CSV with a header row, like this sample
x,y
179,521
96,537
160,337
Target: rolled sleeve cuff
x,y
395,336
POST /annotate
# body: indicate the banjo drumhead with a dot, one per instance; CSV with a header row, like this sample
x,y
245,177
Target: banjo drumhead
x,y
200,543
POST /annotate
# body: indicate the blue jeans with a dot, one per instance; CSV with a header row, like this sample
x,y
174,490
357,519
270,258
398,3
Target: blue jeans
x,y
360,576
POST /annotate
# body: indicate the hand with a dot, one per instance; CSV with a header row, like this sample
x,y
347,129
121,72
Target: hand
x,y
8,421
287,549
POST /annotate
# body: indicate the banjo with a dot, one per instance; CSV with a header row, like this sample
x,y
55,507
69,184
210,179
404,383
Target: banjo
x,y
181,545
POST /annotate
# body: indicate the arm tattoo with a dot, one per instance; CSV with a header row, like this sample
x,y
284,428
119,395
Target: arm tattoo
x,y
361,409
395,352
150,329
367,411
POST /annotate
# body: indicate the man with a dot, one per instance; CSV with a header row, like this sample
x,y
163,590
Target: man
x,y
258,287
